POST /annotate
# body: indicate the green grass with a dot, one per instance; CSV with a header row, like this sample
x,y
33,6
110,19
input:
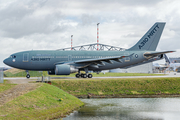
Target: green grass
x,y
5,86
110,74
46,102
115,87
23,74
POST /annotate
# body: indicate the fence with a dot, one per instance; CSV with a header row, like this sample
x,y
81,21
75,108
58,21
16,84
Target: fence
x,y
1,76
44,79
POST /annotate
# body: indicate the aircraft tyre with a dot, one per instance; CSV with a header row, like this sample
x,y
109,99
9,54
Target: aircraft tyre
x,y
28,76
78,75
90,75
84,76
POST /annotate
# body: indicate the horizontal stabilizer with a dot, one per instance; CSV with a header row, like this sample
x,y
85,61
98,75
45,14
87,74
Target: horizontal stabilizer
x,y
144,62
157,53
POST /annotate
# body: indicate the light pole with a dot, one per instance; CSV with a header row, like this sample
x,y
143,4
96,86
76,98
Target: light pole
x,y
98,36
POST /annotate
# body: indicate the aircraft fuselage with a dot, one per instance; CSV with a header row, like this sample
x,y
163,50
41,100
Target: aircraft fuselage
x,y
45,60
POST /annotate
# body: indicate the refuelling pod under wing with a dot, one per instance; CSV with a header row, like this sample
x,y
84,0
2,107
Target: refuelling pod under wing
x,y
64,70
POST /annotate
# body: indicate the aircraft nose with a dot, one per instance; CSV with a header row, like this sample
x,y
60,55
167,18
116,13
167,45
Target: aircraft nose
x,y
6,61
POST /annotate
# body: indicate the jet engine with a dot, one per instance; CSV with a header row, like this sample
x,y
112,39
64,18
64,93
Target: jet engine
x,y
64,70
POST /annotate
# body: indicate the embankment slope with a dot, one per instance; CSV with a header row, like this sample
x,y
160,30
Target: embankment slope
x,y
43,102
129,87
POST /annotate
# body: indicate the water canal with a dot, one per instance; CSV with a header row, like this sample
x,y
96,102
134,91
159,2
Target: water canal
x,y
128,109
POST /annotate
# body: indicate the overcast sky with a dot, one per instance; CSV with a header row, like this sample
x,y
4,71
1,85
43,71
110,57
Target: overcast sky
x,y
49,24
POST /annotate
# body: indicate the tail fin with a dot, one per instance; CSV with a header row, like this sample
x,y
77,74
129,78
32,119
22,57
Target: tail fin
x,y
151,39
166,58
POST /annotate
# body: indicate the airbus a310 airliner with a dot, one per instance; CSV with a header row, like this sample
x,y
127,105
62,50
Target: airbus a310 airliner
x,y
66,62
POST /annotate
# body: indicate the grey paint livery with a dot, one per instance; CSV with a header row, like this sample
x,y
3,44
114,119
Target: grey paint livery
x,y
66,62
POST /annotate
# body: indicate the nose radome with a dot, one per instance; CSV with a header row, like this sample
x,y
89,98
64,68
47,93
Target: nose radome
x,y
5,61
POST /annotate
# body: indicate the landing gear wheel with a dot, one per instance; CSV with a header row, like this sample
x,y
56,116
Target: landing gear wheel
x,y
28,76
90,75
84,76
78,75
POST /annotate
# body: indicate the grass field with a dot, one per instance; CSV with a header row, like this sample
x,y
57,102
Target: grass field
x,y
111,74
5,86
46,102
22,73
116,87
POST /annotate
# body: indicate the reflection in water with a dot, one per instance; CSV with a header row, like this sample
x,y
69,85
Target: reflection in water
x,y
128,109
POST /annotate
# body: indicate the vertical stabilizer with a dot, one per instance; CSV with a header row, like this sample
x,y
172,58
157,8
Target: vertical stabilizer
x,y
151,39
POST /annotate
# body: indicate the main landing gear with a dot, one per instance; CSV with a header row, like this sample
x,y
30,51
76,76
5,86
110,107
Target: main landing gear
x,y
28,75
84,75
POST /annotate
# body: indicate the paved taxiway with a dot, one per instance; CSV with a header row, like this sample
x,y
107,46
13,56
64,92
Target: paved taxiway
x,y
171,74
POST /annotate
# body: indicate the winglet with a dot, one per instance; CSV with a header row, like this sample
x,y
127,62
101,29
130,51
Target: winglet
x,y
157,53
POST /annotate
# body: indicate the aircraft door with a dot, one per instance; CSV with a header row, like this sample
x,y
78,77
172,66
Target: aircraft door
x,y
69,58
26,57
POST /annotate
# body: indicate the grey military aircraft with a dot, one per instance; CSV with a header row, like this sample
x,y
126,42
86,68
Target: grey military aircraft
x,y
58,62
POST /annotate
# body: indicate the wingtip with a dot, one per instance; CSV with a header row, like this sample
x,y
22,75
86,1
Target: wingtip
x,y
172,51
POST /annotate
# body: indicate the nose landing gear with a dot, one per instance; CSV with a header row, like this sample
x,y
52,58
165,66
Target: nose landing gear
x,y
28,75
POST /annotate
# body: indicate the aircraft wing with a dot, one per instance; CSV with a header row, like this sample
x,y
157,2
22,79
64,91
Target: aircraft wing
x,y
144,62
94,62
156,53
107,59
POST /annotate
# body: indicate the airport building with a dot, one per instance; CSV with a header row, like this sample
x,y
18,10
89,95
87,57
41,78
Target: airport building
x,y
145,68
175,59
160,68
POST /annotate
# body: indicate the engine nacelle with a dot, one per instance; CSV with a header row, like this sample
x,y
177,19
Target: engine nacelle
x,y
64,70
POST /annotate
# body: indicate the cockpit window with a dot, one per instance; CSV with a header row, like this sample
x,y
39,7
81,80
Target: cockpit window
x,y
13,56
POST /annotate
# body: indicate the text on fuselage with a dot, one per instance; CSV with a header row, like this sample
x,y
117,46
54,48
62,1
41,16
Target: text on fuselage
x,y
148,36
40,59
